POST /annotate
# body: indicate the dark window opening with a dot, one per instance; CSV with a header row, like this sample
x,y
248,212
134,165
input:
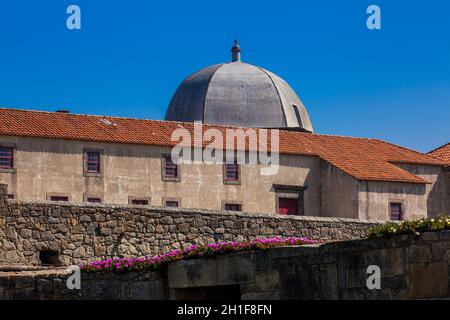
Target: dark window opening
x,y
297,115
94,200
396,211
141,202
59,198
288,206
6,158
170,168
232,172
10,196
93,162
173,204
233,207
49,258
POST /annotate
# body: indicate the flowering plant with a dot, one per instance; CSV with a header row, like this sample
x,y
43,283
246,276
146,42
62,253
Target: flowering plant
x,y
415,227
191,252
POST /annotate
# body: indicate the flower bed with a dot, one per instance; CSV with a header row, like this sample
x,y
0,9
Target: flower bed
x,y
191,252
415,227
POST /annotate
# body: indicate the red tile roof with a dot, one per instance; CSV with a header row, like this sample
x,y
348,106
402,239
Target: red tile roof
x,y
442,153
363,159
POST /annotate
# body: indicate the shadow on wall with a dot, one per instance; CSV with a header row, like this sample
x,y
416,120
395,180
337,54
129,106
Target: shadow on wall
x,y
438,202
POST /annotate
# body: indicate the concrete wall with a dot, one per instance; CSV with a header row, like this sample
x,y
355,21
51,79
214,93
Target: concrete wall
x,y
410,269
81,233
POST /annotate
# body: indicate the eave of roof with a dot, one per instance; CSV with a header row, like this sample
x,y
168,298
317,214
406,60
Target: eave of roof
x,y
361,158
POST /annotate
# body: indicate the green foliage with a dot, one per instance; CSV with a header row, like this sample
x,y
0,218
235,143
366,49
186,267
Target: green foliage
x,y
414,227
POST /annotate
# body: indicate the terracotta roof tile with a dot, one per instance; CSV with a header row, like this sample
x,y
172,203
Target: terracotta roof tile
x,y
363,159
442,153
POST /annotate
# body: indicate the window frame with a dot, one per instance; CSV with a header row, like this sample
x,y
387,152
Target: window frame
x,y
290,191
86,198
89,173
58,195
298,115
95,162
401,207
226,179
131,199
164,177
13,168
171,199
225,203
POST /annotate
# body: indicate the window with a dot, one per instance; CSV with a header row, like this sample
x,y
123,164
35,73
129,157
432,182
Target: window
x,y
59,198
142,202
6,158
171,203
233,207
396,211
288,206
93,162
231,172
170,170
93,200
297,115
10,196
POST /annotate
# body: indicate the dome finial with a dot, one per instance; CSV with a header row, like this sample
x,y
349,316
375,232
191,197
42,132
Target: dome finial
x,y
236,52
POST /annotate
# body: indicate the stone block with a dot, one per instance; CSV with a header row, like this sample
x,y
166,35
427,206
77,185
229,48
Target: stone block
x,y
268,280
429,236
267,295
428,280
390,261
419,253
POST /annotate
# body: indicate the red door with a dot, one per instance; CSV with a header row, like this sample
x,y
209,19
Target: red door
x,y
288,206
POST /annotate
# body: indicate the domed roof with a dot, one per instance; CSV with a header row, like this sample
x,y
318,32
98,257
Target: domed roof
x,y
238,94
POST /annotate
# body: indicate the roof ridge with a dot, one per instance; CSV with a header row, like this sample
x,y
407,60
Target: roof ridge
x,y
116,117
399,146
438,148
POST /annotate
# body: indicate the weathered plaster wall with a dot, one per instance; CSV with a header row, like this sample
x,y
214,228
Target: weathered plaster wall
x,y
81,233
437,192
375,198
47,167
410,269
339,193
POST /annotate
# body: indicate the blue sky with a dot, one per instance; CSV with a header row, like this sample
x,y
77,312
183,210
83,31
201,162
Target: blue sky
x,y
129,57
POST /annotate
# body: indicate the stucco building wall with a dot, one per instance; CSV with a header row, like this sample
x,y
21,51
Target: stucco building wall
x,y
338,192
54,167
374,199
47,167
437,193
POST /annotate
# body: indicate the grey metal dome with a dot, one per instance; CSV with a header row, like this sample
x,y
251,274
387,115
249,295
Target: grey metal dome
x,y
238,94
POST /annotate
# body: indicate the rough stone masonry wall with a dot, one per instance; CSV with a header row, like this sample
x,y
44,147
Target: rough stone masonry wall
x,y
410,269
80,233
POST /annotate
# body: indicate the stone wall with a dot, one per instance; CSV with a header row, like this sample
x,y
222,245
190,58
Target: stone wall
x,y
72,234
410,269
